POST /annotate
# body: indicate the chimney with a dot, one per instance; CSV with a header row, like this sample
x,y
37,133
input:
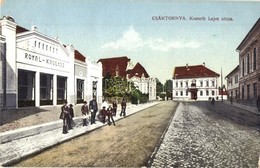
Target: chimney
x,y
34,28
187,66
203,63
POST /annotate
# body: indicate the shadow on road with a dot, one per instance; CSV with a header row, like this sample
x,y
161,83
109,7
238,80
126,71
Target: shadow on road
x,y
10,115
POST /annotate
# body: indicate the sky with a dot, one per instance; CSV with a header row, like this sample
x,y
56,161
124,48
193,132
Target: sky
x,y
160,35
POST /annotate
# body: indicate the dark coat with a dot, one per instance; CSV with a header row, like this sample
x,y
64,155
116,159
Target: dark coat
x,y
109,111
93,105
84,110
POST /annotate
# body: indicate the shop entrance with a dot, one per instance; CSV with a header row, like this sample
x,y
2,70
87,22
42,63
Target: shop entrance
x,y
61,89
26,88
46,89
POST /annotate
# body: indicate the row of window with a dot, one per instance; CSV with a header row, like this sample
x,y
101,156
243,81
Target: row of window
x,y
45,47
201,93
249,63
206,84
26,89
233,79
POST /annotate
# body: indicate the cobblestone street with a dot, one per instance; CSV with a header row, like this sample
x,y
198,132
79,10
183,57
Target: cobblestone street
x,y
198,137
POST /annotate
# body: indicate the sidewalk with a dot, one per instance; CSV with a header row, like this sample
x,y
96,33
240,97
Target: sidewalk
x,y
20,143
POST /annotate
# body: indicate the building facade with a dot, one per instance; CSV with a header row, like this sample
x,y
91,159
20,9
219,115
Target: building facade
x,y
233,83
249,63
135,73
41,71
194,83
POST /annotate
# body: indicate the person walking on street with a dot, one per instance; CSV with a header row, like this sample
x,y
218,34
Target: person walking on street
x,y
93,110
110,115
71,115
213,101
85,112
114,107
65,117
123,107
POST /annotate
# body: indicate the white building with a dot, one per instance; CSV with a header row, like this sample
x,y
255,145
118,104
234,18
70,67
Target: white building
x,y
40,70
194,83
133,72
233,83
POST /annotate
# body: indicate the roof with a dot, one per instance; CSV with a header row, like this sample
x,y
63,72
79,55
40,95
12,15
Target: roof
x,y
249,33
138,71
196,71
111,65
234,70
20,29
79,56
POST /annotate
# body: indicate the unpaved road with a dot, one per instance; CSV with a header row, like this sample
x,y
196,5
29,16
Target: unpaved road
x,y
128,144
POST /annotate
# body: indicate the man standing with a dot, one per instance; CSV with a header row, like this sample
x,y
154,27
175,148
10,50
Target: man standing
x,y
71,115
93,110
110,115
65,117
123,107
114,107
84,111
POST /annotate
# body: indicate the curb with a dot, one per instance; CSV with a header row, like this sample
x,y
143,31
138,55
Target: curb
x,y
17,156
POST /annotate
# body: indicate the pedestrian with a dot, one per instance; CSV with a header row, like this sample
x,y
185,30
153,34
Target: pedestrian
x,y
103,114
71,115
213,101
114,107
85,113
65,117
231,100
110,115
93,110
123,107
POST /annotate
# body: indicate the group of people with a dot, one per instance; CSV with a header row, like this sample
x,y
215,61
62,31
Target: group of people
x,y
105,114
67,114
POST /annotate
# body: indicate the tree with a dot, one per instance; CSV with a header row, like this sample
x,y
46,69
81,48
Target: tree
x,y
168,88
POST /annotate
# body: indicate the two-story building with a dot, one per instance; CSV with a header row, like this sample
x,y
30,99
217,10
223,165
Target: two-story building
x,y
38,70
249,63
233,83
195,82
135,73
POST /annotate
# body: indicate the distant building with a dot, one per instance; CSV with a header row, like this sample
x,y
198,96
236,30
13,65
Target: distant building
x,y
249,63
233,83
136,73
195,82
41,71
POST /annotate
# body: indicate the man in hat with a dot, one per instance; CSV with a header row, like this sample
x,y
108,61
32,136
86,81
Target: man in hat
x,y
85,112
93,110
123,107
110,115
114,107
71,115
65,117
